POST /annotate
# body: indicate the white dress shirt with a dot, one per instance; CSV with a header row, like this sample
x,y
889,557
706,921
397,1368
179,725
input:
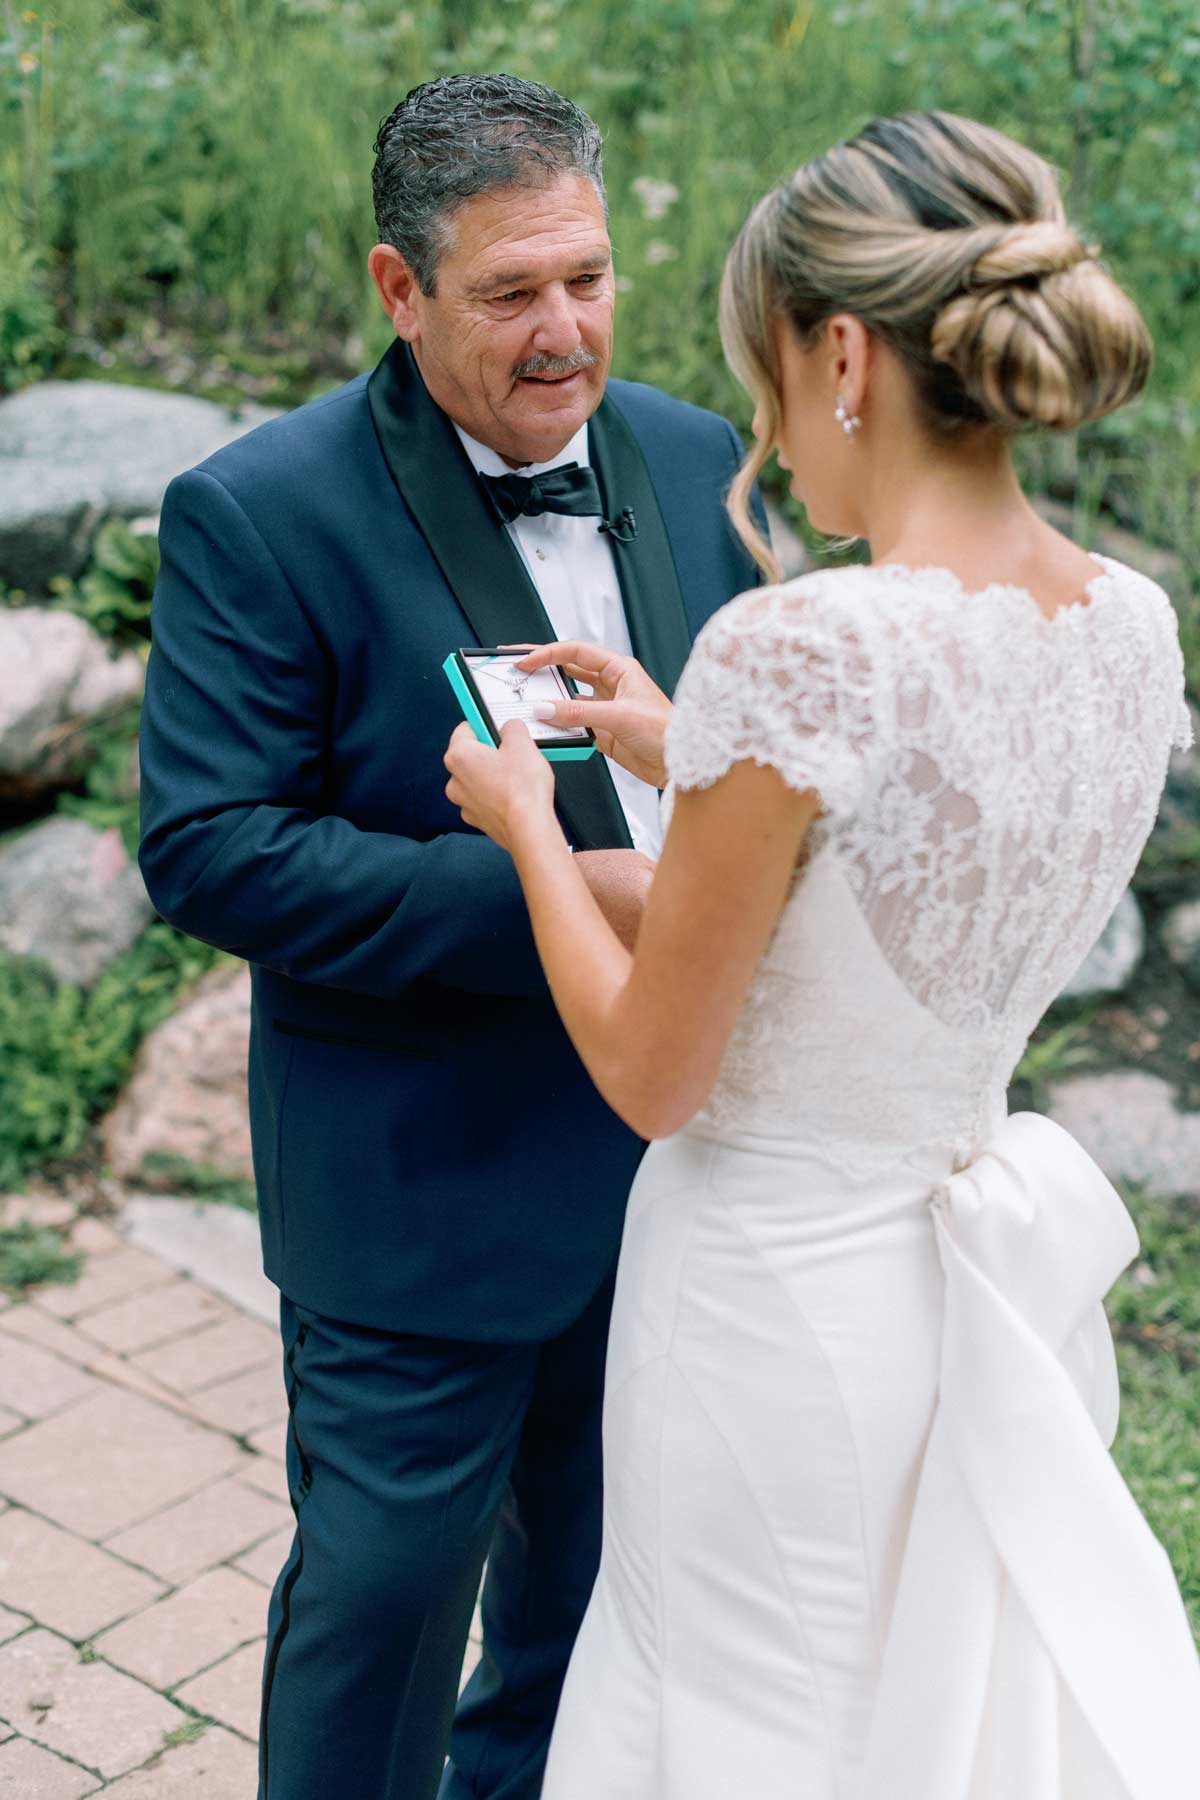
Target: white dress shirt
x,y
571,565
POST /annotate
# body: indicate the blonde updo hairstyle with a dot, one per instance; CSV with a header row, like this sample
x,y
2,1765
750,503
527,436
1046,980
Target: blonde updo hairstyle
x,y
949,241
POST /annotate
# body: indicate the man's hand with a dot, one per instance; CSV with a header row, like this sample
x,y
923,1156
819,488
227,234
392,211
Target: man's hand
x,y
620,883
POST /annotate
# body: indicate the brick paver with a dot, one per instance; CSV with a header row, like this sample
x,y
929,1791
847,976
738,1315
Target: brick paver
x,y
201,1624
143,1520
93,1238
28,1773
207,1528
266,1559
207,1357
146,1319
246,1403
110,1461
11,1623
218,1766
230,1692
28,1322
65,1582
84,1709
35,1383
105,1279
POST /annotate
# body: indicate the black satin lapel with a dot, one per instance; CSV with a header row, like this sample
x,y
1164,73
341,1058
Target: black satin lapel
x,y
480,562
430,467
658,623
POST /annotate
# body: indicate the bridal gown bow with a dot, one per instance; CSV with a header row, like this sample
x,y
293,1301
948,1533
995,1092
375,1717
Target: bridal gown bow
x,y
1028,1559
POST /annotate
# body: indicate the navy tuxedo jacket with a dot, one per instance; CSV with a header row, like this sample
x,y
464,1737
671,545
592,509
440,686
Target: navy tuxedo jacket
x,y
430,1154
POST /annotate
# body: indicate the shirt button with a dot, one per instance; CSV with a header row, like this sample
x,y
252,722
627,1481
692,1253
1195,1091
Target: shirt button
x,y
540,553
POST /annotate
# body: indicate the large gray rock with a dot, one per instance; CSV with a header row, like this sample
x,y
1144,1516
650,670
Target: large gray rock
x,y
1180,934
1129,1123
56,678
71,896
73,453
187,1096
1111,963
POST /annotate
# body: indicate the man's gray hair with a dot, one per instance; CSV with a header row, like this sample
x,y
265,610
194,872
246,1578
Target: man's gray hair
x,y
463,135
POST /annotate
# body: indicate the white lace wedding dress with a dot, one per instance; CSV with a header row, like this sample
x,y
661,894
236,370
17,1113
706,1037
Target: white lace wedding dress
x,y
863,1536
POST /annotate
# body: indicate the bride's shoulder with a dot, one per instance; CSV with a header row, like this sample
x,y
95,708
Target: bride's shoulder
x,y
848,604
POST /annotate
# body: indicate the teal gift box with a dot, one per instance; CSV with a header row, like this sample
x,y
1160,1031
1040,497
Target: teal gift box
x,y
491,690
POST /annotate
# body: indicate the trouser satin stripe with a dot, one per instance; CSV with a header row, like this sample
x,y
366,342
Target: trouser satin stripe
x,y
285,1598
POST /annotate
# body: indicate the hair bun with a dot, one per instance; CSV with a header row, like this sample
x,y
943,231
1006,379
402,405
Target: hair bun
x,y
1031,252
1042,335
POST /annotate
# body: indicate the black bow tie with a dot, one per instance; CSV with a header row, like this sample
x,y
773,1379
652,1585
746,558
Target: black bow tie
x,y
567,489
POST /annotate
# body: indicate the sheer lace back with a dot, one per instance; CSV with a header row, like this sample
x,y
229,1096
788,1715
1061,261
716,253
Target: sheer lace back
x,y
988,777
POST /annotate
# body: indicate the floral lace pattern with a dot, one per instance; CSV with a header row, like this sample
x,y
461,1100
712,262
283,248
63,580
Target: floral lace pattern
x,y
988,777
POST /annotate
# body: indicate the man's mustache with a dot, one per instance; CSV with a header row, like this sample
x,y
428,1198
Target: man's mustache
x,y
541,364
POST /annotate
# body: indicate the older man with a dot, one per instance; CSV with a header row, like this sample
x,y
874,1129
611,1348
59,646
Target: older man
x,y
441,1189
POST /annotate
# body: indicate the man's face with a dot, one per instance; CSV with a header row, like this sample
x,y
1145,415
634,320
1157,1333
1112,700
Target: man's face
x,y
516,343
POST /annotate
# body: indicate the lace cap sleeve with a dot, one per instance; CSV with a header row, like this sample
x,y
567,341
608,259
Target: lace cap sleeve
x,y
781,677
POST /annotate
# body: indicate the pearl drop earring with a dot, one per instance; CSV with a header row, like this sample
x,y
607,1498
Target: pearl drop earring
x,y
849,425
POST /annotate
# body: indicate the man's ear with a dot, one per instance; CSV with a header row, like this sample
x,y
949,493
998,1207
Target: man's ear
x,y
397,288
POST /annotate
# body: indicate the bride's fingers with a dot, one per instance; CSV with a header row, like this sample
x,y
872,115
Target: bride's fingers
x,y
590,658
609,716
589,678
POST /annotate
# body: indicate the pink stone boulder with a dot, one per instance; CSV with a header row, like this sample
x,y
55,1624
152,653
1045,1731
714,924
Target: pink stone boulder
x,y
187,1096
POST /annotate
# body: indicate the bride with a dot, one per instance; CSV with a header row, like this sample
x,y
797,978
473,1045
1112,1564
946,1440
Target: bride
x,y
863,1538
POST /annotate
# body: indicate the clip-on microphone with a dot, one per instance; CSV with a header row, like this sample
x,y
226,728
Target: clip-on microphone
x,y
623,527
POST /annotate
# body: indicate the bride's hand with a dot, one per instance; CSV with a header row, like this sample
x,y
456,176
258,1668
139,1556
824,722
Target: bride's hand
x,y
504,792
627,712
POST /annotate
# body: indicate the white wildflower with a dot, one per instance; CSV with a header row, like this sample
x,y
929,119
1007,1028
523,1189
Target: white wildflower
x,y
656,196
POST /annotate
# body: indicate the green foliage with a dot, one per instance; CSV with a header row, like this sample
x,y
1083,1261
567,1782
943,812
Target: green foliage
x,y
199,175
65,1052
1052,1052
109,799
29,335
30,1254
211,162
190,1732
115,593
1155,1310
164,1170
114,596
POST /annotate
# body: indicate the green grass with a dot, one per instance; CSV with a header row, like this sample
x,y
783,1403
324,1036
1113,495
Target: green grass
x,y
30,1254
190,1732
65,1051
164,1170
193,176
1157,1326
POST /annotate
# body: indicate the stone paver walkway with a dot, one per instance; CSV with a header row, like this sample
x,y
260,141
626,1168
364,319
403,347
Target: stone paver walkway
x,y
143,1510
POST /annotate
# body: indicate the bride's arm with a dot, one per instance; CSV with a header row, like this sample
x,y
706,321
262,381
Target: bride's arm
x,y
650,1027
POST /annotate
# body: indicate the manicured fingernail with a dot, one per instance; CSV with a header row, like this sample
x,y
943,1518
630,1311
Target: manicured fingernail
x,y
543,709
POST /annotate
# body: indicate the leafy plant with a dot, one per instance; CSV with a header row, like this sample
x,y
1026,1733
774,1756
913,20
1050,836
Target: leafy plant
x,y
115,593
65,1052
165,1170
1155,1309
30,1254
190,1732
1053,1051
29,334
109,799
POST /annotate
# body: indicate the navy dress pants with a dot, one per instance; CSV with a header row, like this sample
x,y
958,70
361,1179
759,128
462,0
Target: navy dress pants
x,y
410,1460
